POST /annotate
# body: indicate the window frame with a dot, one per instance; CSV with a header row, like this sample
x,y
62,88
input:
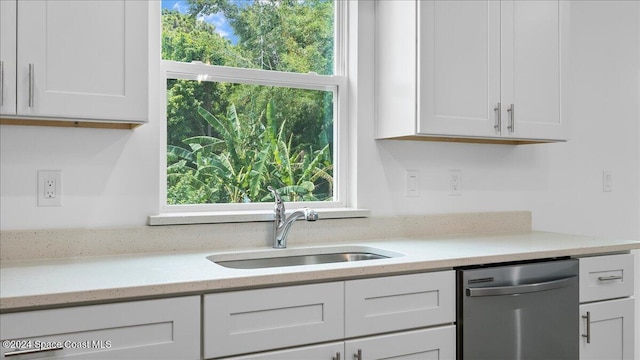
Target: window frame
x,y
337,83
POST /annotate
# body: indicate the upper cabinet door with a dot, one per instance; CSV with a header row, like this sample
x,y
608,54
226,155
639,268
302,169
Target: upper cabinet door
x,y
7,57
531,78
459,68
83,59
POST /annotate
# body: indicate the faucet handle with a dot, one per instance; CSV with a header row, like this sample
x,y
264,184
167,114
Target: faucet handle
x,y
275,194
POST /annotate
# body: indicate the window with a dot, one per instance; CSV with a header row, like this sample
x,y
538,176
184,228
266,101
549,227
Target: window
x,y
255,96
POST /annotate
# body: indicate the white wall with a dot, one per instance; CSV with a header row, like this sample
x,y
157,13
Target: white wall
x,y
110,177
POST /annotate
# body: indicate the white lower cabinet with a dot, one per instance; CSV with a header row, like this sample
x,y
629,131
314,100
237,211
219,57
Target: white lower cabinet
x,y
249,321
400,317
404,317
379,305
149,329
328,351
607,330
607,307
427,344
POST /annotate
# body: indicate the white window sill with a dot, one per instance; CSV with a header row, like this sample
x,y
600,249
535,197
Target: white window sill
x,y
185,218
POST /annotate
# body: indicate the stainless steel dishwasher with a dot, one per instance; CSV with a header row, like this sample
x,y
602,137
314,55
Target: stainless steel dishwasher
x,y
519,311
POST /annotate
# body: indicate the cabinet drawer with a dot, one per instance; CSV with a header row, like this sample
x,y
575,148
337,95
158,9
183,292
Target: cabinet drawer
x,y
606,277
313,352
399,302
151,329
242,322
433,344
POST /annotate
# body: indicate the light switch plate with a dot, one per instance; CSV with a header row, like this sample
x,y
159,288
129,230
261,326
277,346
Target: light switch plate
x,y
413,183
607,181
455,182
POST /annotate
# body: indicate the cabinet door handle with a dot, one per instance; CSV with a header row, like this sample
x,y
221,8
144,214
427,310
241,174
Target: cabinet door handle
x,y
588,334
358,355
512,122
498,124
32,75
337,357
1,83
609,278
32,351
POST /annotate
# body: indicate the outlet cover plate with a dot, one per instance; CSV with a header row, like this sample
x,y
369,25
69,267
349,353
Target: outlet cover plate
x,y
49,188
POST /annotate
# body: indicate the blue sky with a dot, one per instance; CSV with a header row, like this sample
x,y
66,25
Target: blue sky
x,y
221,23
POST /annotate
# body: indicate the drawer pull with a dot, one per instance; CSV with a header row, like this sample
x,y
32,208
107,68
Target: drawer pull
x,y
337,357
609,278
32,351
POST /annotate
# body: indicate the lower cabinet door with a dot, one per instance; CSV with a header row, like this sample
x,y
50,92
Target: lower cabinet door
x,y
149,329
331,351
607,330
428,344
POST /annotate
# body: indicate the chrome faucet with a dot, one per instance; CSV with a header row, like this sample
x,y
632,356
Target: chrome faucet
x,y
282,224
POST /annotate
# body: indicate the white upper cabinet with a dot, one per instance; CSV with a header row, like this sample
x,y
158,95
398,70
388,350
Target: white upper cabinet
x,y
530,72
7,57
75,60
469,69
459,67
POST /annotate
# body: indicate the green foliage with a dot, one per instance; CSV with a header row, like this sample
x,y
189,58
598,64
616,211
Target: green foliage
x,y
238,166
260,135
283,35
186,39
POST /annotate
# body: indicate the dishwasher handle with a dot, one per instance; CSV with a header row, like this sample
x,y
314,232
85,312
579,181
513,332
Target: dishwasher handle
x,y
522,289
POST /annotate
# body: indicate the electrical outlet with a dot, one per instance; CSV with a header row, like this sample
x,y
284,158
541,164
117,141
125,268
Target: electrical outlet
x,y
49,188
455,182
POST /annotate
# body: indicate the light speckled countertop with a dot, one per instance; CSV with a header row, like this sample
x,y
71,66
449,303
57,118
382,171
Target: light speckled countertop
x,y
62,282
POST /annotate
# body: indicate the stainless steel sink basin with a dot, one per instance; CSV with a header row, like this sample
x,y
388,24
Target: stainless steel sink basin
x,y
298,260
297,257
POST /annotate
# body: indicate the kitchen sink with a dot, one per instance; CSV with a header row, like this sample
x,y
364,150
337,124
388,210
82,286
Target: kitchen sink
x,y
297,257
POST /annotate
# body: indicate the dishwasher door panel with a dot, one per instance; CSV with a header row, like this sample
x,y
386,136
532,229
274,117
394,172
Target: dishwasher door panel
x,y
539,321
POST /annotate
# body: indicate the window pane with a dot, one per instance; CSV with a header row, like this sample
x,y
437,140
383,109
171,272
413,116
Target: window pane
x,y
283,35
227,142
